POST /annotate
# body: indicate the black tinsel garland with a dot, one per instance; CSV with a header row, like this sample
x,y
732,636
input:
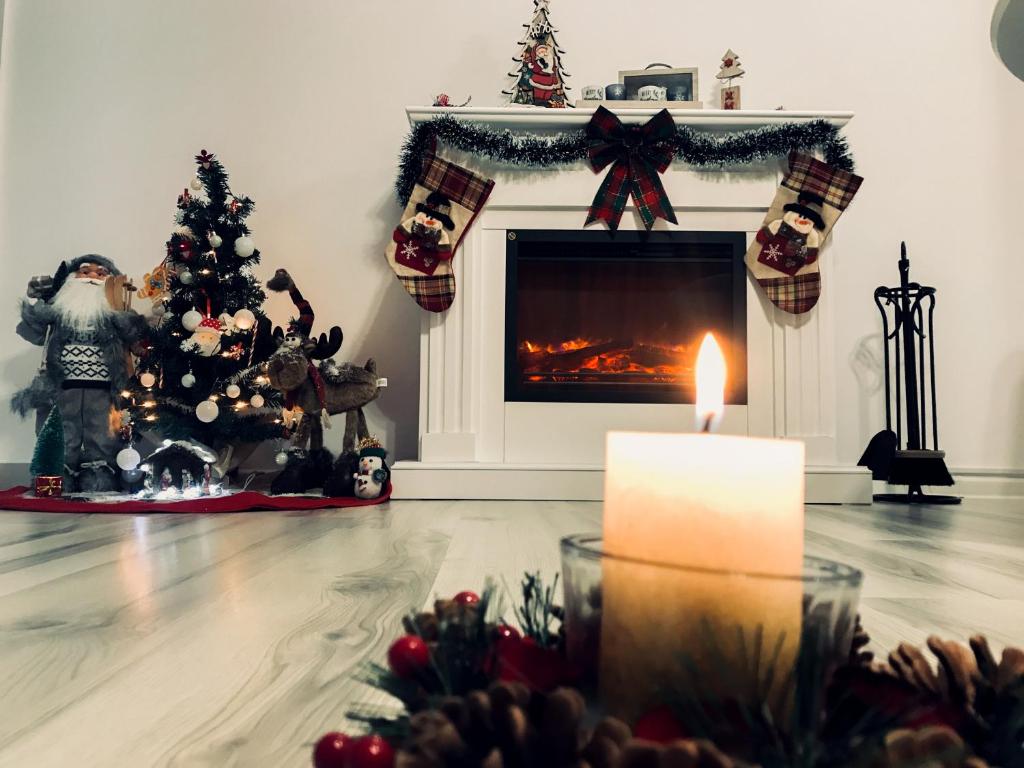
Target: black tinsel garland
x,y
692,146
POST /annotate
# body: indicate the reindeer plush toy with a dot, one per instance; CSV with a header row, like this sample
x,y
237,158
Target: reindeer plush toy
x,y
316,391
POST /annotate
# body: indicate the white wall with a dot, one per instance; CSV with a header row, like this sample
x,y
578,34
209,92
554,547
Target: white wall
x,y
105,102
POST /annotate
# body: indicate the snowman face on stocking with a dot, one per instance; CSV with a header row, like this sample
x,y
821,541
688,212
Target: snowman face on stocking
x,y
790,243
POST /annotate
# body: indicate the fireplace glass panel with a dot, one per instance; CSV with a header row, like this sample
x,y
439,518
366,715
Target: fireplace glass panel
x,y
595,317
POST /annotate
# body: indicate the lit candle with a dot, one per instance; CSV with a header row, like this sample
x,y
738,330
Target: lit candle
x,y
686,510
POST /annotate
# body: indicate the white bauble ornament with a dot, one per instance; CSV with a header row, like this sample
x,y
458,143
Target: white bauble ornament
x,y
191,320
188,380
146,379
232,390
186,277
196,183
216,241
128,458
281,458
257,401
207,411
244,247
159,308
244,319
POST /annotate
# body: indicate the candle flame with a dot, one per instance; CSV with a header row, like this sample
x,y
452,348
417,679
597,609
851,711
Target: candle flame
x,y
710,383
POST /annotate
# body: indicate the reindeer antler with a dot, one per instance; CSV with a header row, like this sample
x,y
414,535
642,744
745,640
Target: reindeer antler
x,y
327,347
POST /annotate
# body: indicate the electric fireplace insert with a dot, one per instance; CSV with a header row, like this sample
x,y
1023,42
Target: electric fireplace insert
x,y
618,317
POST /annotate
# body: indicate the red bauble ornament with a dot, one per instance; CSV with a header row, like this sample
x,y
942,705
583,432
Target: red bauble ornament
x,y
659,725
466,597
505,632
371,752
408,656
332,751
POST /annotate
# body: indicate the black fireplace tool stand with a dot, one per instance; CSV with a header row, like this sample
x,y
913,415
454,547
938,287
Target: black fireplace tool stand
x,y
901,457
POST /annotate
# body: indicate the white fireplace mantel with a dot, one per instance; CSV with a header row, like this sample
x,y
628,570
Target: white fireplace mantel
x,y
540,119
472,444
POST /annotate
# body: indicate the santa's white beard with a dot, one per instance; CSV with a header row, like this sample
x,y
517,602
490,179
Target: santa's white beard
x,y
81,302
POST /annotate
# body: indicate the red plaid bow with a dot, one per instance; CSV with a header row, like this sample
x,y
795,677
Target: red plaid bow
x,y
638,153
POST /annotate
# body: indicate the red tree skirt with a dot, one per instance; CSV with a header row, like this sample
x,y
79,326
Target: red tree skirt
x,y
245,501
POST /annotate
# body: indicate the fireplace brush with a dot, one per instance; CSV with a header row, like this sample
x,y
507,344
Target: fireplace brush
x,y
902,457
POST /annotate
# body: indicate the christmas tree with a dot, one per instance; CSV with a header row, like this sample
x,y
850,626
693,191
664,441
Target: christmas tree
x,y
730,66
539,80
48,456
195,378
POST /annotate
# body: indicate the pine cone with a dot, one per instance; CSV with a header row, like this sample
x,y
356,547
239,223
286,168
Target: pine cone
x,y
967,679
508,726
859,655
933,746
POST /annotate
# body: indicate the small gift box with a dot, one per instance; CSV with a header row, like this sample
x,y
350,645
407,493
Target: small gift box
x,y
49,485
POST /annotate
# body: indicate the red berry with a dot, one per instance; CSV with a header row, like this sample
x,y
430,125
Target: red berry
x,y
332,751
505,632
371,752
408,656
467,597
659,725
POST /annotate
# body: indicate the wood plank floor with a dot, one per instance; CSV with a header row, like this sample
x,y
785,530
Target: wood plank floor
x,y
230,640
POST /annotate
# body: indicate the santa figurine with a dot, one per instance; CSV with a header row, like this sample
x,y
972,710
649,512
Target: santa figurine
x,y
544,77
423,240
790,243
206,338
86,363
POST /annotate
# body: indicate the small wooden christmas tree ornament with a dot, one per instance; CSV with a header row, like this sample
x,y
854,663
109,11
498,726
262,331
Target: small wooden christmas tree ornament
x,y
539,76
48,457
731,69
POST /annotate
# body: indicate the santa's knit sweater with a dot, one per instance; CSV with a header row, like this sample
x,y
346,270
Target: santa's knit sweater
x,y
83,361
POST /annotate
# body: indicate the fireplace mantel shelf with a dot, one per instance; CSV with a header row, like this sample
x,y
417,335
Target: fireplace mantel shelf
x,y
540,119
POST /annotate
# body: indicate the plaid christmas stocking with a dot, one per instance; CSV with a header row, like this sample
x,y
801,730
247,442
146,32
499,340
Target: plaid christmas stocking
x,y
442,205
784,256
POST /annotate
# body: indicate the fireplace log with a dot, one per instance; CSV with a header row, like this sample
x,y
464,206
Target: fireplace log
x,y
650,356
570,360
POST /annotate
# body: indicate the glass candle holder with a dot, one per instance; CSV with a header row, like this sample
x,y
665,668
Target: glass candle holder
x,y
645,633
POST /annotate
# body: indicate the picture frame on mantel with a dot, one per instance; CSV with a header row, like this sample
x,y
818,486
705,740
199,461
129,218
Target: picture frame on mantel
x,y
683,80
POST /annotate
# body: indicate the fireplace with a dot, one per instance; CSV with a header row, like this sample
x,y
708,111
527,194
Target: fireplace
x,y
596,317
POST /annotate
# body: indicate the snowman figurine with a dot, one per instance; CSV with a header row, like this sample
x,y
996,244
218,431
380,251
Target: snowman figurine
x,y
373,474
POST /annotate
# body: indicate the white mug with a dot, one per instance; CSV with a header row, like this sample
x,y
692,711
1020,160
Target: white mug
x,y
593,93
652,93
